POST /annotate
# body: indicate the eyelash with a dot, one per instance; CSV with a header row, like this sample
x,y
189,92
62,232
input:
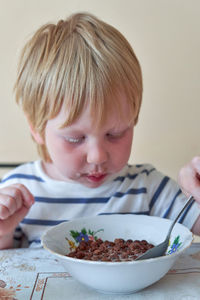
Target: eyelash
x,y
114,135
72,140
111,136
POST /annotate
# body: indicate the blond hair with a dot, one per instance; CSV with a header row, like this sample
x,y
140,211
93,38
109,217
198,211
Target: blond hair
x,y
77,62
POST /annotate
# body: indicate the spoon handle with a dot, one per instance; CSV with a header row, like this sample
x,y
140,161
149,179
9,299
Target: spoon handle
x,y
189,201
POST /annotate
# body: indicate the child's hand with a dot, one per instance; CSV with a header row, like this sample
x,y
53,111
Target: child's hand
x,y
189,178
15,202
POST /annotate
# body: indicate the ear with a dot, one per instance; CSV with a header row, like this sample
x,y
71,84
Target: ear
x,y
36,135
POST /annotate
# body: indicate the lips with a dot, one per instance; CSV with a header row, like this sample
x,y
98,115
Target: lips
x,y
96,177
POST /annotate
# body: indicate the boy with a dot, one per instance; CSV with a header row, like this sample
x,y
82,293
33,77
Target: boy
x,y
80,87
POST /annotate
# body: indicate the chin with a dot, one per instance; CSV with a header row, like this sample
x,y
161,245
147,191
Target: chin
x,y
92,185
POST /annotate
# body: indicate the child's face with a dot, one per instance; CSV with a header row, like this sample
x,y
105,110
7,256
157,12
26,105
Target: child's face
x,y
85,154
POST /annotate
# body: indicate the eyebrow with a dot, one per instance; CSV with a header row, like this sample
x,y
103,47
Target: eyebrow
x,y
72,129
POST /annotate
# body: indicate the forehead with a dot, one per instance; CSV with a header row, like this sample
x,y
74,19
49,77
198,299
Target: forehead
x,y
115,114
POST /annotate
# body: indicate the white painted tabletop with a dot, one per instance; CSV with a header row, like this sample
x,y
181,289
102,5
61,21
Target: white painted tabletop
x,y
36,274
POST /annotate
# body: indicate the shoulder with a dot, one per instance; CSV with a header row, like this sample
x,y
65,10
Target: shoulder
x,y
24,171
150,176
140,170
140,175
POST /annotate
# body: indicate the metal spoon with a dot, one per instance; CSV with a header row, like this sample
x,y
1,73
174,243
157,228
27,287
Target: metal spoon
x,y
160,249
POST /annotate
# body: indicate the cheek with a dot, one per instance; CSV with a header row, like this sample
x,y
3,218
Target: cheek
x,y
126,150
66,156
123,150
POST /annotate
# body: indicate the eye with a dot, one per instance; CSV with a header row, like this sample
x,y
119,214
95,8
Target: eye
x,y
75,140
114,135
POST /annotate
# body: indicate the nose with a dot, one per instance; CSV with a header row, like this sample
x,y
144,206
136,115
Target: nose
x,y
97,154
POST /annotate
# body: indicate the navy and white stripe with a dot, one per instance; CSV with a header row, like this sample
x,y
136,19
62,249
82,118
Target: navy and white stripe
x,y
138,189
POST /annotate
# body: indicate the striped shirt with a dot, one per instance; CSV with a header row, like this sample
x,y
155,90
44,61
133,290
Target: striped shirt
x,y
136,189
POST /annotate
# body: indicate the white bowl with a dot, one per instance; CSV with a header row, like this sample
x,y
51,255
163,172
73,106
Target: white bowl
x,y
117,277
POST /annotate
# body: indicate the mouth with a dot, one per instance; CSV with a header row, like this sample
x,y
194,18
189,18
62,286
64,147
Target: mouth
x,y
96,177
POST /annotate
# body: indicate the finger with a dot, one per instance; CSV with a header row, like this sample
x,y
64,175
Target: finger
x,y
11,193
7,225
4,212
11,199
195,163
26,195
19,191
192,187
188,181
8,206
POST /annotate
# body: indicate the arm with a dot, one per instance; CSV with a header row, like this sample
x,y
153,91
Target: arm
x,y
15,202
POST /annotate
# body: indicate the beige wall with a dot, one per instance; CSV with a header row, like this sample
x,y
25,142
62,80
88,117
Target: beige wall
x,y
165,35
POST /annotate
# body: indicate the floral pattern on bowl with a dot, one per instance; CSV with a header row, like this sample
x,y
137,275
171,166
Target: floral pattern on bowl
x,y
82,235
174,246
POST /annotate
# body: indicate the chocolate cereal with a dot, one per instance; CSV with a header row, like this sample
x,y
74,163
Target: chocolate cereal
x,y
119,250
